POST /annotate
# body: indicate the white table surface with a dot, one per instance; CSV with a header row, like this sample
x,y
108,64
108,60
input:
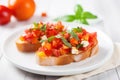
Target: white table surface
x,y
109,10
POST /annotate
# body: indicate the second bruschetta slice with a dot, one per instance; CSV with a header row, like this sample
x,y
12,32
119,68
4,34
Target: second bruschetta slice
x,y
31,40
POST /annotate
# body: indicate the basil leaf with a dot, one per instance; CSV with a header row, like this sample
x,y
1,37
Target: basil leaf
x,y
63,32
74,35
89,15
35,24
78,29
43,28
84,21
66,42
67,18
51,38
41,41
79,46
78,11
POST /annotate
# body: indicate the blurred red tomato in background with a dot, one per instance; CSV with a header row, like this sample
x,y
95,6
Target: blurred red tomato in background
x,y
5,15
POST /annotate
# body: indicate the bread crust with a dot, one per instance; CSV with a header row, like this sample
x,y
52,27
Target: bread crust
x,y
51,60
24,46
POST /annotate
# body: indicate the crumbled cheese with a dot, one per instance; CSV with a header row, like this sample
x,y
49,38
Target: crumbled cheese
x,y
58,36
44,37
75,50
43,44
85,43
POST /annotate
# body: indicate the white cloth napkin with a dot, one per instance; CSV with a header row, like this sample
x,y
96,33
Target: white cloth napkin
x,y
112,63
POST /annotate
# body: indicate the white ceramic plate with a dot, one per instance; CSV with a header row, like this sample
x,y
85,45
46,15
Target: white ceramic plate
x,y
28,63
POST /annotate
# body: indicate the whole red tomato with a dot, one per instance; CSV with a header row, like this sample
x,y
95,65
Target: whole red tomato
x,y
22,9
5,15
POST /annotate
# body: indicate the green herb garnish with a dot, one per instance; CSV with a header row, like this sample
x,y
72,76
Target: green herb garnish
x,y
67,18
78,29
51,38
35,24
79,46
74,35
63,32
41,41
66,42
43,28
79,15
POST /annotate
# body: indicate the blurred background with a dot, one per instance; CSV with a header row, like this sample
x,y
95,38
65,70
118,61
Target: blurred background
x,y
108,12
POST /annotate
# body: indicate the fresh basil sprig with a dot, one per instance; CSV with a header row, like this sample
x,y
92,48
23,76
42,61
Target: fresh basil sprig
x,y
78,11
67,18
80,16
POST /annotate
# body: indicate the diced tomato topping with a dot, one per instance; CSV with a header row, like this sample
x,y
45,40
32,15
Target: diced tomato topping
x,y
85,37
36,33
30,38
59,26
64,51
51,32
57,46
92,38
47,45
73,41
84,31
80,35
67,35
45,50
56,52
57,43
48,52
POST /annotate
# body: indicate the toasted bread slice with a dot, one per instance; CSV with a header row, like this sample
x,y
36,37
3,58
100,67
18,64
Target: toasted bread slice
x,y
24,46
67,58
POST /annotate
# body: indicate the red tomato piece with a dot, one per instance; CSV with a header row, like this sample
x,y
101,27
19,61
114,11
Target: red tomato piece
x,y
57,43
92,38
73,41
59,26
67,35
56,52
43,14
64,51
36,33
47,52
51,32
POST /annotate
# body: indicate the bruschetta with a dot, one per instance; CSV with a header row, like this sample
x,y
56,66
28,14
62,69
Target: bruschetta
x,y
31,40
67,47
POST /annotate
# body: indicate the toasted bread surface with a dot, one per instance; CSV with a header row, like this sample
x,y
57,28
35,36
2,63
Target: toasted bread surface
x,y
24,46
